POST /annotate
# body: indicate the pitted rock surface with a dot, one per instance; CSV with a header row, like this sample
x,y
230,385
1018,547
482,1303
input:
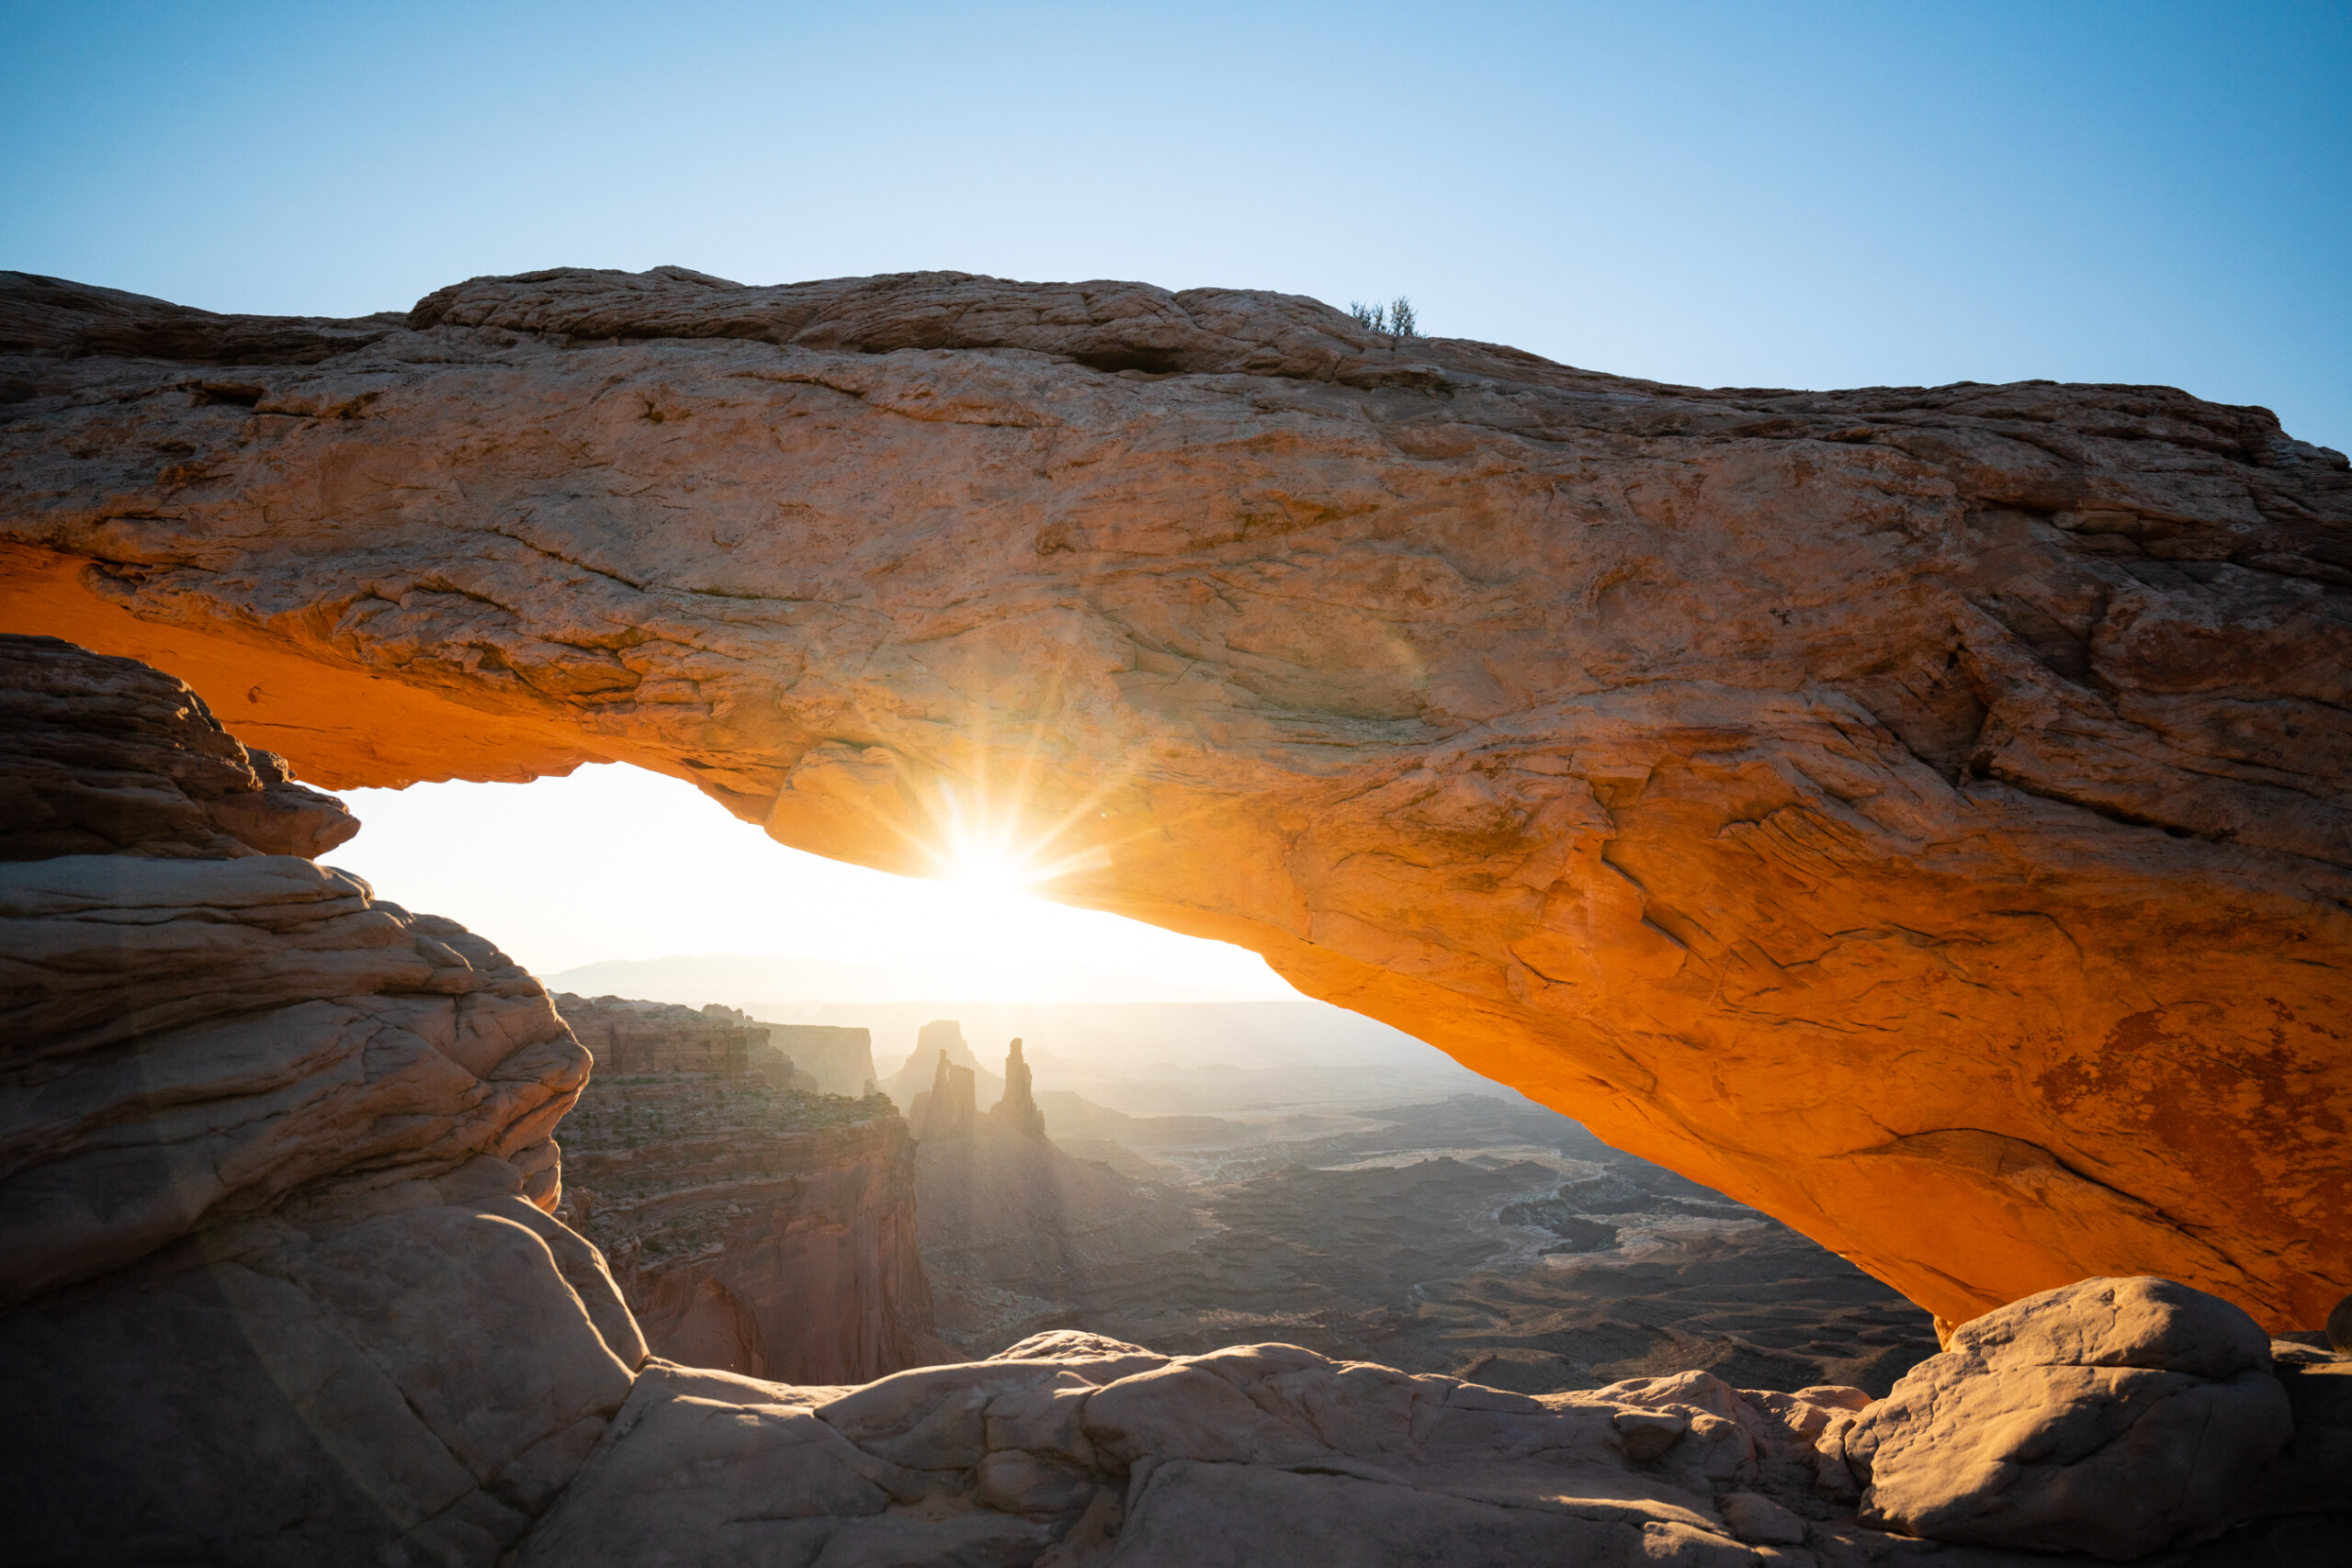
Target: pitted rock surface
x,y
1920,813
2113,1417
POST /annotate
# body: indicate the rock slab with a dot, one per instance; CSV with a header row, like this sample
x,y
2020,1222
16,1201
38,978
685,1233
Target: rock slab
x,y
2113,1417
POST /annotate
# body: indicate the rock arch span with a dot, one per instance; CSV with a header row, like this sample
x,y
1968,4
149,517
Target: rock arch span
x,y
1921,813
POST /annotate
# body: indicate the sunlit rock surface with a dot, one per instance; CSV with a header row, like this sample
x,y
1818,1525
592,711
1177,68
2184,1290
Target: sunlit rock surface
x,y
2113,1417
1918,812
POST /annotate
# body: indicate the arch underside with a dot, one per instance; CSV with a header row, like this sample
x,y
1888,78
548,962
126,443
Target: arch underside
x,y
1916,814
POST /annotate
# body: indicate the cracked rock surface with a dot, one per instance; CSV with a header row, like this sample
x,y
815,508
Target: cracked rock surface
x,y
2113,1417
1920,813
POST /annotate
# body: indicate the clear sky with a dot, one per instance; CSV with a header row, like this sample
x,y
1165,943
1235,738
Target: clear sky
x,y
1760,195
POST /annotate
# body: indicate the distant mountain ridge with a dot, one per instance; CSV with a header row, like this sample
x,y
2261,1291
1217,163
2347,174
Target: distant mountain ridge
x,y
737,979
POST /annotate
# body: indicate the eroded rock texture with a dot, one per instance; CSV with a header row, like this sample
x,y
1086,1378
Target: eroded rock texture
x,y
273,1161
1920,813
750,1227
2113,1417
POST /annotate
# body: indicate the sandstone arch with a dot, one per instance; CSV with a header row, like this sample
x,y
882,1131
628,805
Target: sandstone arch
x,y
1918,812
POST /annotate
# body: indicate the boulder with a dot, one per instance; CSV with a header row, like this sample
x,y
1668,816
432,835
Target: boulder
x,y
1797,787
2115,1417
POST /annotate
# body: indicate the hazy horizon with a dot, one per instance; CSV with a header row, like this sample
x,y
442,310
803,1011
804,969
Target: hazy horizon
x,y
790,980
614,864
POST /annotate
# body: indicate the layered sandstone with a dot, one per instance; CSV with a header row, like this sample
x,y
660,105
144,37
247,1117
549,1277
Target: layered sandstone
x,y
274,1157
817,1059
1917,812
752,1228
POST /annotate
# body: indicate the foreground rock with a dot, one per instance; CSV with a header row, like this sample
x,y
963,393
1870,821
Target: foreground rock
x,y
1800,788
1068,1449
2114,1417
275,1159
761,1231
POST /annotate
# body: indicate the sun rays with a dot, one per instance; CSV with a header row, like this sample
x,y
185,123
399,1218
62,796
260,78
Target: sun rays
x,y
995,813
985,842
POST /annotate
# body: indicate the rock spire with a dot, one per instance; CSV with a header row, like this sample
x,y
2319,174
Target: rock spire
x,y
948,1109
1017,1111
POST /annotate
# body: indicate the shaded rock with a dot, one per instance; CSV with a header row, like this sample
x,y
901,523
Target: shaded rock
x,y
106,756
2114,1417
275,1159
1760,1521
2312,1474
762,1231
1191,1511
631,1038
682,1478
1577,1233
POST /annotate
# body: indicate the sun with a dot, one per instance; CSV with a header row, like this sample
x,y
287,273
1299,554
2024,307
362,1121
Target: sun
x,y
992,844
996,869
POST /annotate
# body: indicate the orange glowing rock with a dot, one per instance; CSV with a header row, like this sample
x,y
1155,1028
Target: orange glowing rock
x,y
1920,813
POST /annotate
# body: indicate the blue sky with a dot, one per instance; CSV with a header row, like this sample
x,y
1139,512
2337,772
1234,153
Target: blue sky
x,y
1779,195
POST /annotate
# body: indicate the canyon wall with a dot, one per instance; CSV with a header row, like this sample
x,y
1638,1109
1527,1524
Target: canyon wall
x,y
833,1058
1920,813
840,1059
757,1230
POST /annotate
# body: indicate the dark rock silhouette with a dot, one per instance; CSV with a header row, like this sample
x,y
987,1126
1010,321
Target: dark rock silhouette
x,y
1017,1111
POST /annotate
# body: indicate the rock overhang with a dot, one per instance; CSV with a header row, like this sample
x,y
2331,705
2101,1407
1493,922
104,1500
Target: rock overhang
x,y
1917,812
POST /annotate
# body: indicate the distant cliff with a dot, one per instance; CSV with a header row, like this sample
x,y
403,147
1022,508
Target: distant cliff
x,y
915,1076
842,1060
750,1226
